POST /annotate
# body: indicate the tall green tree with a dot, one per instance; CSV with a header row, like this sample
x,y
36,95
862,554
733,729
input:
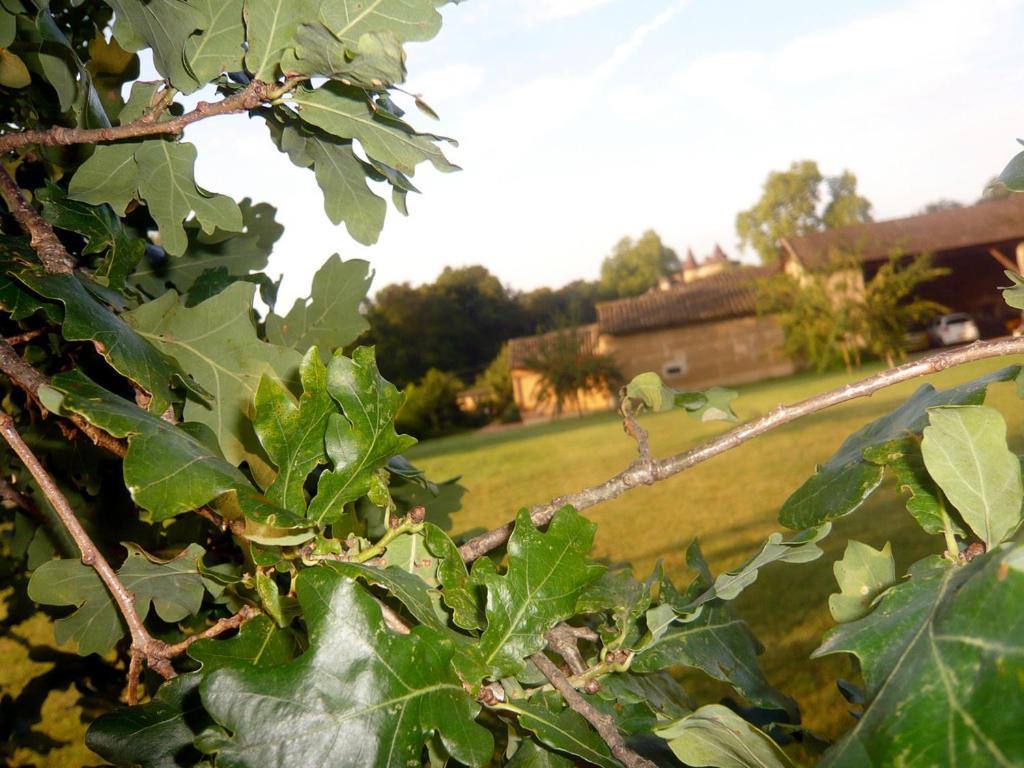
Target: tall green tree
x,y
799,201
635,266
455,324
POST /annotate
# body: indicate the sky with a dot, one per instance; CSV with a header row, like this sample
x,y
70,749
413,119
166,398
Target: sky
x,y
582,121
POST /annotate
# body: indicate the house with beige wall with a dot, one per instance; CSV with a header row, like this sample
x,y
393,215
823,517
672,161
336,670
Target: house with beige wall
x,y
695,335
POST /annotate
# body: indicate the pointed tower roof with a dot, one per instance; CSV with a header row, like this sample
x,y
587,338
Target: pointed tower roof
x,y
718,254
691,260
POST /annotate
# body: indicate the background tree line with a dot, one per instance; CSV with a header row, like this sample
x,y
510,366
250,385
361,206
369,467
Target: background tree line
x,y
439,338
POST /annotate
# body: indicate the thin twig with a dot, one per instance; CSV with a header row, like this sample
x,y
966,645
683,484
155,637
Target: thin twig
x,y
604,724
562,640
52,253
652,471
250,97
143,645
245,613
27,378
21,338
632,427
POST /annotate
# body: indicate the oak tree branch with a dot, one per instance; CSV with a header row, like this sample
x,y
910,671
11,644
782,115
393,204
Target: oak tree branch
x,y
647,472
602,723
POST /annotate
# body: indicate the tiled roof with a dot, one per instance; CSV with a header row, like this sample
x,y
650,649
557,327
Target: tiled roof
x,y
986,223
522,349
728,294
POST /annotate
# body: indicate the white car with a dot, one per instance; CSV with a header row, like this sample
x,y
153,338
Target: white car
x,y
957,328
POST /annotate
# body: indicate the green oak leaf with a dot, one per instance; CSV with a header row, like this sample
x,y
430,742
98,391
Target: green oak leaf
x,y
167,184
165,26
1013,174
648,392
309,712
800,548
362,440
712,640
408,20
292,433
376,61
942,660
558,727
465,599
924,502
131,355
346,112
965,451
95,626
547,572
173,587
218,47
1013,294
847,479
15,299
341,176
102,230
414,593
160,733
217,342
862,574
716,736
170,469
625,598
110,175
532,755
329,318
238,253
270,32
8,27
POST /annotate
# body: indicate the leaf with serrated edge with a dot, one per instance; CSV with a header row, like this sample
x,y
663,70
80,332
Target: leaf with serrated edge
x,y
109,176
164,26
238,253
131,355
172,469
904,458
942,660
716,736
270,32
712,640
292,433
363,439
546,574
219,46
966,453
342,178
95,626
167,184
560,728
464,599
173,587
330,317
160,733
360,696
845,481
345,112
862,575
217,342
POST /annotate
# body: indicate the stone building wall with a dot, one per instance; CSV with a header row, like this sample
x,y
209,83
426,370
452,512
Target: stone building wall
x,y
724,352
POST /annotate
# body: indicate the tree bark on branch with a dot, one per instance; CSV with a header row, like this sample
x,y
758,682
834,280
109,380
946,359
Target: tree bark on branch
x,y
145,649
650,471
604,724
250,97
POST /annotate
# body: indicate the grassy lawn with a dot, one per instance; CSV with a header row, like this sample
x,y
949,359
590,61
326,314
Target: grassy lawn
x,y
730,503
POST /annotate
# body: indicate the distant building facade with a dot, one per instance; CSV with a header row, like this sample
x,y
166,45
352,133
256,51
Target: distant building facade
x,y
700,327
